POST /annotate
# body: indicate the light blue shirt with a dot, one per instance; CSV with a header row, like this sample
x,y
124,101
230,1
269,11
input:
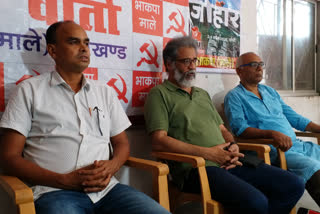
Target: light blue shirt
x,y
244,109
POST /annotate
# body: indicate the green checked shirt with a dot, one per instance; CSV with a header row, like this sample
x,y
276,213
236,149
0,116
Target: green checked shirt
x,y
191,118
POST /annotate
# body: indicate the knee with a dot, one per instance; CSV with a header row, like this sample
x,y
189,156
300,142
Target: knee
x,y
257,205
299,186
314,182
313,187
254,202
294,186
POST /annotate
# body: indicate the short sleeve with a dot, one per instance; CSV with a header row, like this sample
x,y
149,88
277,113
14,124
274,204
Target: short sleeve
x,y
155,112
234,112
18,113
119,119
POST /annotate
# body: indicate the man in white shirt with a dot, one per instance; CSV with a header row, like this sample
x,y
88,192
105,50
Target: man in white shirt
x,y
59,129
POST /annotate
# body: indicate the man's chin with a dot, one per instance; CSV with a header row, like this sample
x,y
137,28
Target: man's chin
x,y
191,78
187,84
259,79
82,67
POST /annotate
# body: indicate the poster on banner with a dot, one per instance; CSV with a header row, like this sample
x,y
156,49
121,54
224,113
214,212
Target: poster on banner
x,y
126,42
215,24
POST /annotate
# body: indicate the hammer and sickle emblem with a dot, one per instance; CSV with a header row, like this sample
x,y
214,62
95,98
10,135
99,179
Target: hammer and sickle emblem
x,y
180,27
121,94
153,59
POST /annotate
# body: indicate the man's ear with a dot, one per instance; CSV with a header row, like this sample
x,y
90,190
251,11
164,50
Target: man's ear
x,y
170,65
51,48
238,70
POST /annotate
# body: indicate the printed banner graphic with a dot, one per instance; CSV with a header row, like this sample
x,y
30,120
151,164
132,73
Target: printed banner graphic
x,y
215,24
126,42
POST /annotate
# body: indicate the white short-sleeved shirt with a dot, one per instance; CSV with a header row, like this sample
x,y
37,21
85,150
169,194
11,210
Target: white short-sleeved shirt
x,y
65,130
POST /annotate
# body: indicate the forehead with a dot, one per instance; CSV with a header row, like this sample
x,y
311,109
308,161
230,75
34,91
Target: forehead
x,y
251,58
68,30
186,52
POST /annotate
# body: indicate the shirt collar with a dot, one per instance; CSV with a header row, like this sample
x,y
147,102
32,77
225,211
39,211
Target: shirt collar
x,y
249,92
172,87
58,80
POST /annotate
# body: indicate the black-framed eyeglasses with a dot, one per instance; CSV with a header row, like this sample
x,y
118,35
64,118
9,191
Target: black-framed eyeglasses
x,y
187,61
254,65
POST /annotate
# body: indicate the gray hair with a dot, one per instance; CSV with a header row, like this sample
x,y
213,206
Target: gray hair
x,y
170,52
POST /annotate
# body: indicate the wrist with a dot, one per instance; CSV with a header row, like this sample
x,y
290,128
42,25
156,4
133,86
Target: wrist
x,y
269,134
117,164
205,153
60,180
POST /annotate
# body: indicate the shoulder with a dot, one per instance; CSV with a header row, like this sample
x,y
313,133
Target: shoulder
x,y
102,93
157,90
36,80
100,86
202,91
36,84
235,92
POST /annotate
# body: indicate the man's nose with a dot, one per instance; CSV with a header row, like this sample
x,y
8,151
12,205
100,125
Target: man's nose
x,y
84,47
193,64
260,68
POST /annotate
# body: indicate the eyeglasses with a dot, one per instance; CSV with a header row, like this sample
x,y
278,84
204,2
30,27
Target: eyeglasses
x,y
187,61
254,65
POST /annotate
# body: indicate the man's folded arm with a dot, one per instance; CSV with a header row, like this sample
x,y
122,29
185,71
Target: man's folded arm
x,y
280,140
163,143
12,161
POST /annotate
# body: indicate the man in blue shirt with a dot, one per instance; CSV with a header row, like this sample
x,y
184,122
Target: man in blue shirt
x,y
257,111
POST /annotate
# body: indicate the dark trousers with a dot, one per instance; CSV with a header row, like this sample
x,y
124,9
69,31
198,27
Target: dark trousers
x,y
261,190
313,187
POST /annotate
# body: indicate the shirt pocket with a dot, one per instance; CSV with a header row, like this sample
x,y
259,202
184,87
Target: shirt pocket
x,y
102,123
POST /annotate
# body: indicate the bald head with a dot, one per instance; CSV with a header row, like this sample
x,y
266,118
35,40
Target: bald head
x,y
249,67
51,34
243,58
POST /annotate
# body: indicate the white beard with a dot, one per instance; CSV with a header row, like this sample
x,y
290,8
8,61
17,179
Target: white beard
x,y
183,80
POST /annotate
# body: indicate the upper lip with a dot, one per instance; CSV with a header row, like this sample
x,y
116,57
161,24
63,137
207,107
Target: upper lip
x,y
86,56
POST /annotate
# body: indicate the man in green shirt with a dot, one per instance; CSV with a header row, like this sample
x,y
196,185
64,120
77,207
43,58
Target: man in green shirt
x,y
181,118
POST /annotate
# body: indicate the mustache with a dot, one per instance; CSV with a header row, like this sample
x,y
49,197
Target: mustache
x,y
190,72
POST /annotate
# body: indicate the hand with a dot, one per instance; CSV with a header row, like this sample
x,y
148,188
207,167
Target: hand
x,y
92,178
282,141
226,159
73,180
99,177
234,148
